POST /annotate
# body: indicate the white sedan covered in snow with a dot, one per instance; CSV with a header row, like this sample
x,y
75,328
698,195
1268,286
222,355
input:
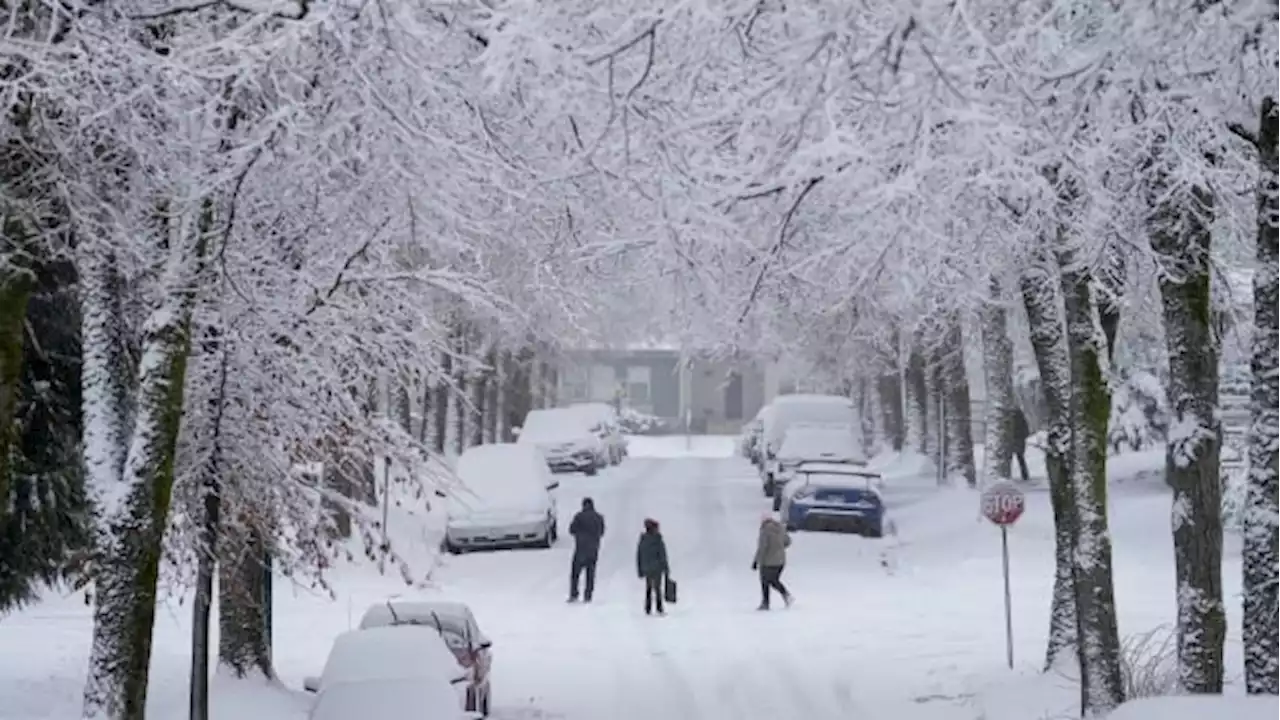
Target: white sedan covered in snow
x,y
389,673
505,501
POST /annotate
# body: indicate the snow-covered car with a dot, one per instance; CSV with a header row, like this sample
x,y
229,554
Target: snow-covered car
x,y
564,436
787,410
457,625
813,443
603,419
834,496
394,699
387,655
505,500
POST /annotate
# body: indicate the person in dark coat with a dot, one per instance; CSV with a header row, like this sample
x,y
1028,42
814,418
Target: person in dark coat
x,y
652,566
1020,433
586,528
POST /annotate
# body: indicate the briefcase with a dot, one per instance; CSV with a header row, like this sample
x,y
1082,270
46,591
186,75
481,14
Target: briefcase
x,y
669,590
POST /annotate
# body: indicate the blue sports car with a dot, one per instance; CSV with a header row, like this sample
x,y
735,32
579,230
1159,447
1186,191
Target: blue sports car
x,y
834,496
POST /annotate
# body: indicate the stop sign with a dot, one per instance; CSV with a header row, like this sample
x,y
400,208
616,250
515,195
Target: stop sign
x,y
1003,503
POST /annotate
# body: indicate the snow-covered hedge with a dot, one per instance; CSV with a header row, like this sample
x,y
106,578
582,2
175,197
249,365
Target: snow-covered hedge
x,y
634,422
1139,413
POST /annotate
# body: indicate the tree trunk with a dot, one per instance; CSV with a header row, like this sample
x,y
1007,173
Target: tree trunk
x,y
1261,557
931,445
997,366
872,414
518,392
207,544
959,422
244,599
1180,235
441,395
479,395
889,389
917,404
492,399
1041,297
130,531
460,412
1098,646
426,431
15,291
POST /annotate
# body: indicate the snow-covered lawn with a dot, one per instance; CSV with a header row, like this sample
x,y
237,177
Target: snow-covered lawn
x,y
905,628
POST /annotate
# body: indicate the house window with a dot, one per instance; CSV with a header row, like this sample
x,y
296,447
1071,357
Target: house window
x,y
575,384
733,396
603,383
638,386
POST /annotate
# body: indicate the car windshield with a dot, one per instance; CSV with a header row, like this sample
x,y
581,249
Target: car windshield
x,y
399,652
835,443
553,425
500,476
388,700
808,409
450,616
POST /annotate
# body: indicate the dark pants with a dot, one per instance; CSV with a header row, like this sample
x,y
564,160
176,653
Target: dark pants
x,y
1020,454
771,577
580,565
653,592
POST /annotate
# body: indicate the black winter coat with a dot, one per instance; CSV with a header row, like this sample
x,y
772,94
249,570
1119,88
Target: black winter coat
x,y
651,555
586,528
1020,429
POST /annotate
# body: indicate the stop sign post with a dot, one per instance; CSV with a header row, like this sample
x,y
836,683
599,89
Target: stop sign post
x,y
1002,504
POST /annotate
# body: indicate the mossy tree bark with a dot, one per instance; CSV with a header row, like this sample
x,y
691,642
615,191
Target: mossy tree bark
x,y
132,517
1179,232
1041,296
1098,639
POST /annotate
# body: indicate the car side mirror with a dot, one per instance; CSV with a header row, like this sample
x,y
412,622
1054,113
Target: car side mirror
x,y
554,484
311,683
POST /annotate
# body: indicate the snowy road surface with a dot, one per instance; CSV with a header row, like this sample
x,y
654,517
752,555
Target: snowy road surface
x,y
924,642
848,649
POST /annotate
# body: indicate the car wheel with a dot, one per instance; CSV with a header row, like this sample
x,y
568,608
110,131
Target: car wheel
x,y
590,469
451,548
876,530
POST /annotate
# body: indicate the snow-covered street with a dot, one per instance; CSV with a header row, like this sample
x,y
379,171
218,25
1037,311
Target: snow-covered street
x,y
908,628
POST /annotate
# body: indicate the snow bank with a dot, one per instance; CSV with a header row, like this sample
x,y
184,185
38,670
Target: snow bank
x,y
678,446
1197,707
233,698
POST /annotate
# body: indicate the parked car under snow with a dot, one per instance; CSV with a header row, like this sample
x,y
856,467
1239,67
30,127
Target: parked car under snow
x,y
835,496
